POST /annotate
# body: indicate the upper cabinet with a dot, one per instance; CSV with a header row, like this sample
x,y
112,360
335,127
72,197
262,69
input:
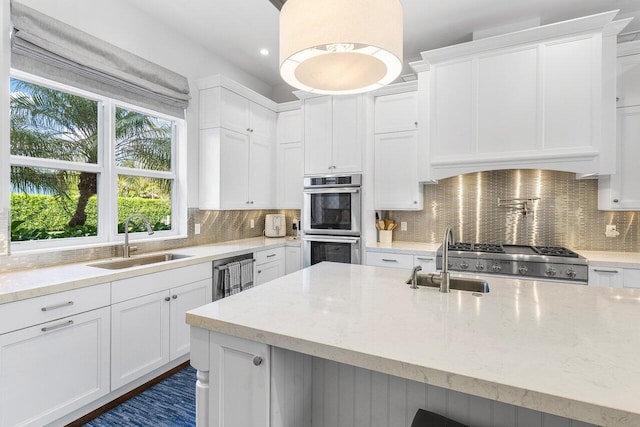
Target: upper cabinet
x,y
396,147
290,159
629,75
237,157
333,134
539,98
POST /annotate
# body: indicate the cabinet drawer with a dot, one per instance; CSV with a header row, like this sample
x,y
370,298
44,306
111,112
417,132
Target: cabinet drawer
x,y
269,255
607,277
33,311
389,259
631,278
133,287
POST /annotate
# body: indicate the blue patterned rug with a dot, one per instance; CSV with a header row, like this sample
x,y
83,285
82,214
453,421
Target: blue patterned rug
x,y
170,403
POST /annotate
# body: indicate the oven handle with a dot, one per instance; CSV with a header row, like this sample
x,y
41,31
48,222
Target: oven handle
x,y
333,239
331,190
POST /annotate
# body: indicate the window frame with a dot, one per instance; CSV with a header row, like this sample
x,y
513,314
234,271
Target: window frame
x,y
107,172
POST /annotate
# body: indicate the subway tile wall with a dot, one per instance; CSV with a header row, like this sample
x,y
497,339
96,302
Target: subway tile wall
x,y
215,227
566,215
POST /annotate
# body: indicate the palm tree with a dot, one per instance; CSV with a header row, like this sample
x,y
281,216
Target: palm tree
x,y
47,123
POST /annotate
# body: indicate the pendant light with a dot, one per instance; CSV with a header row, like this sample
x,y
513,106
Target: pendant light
x,y
339,47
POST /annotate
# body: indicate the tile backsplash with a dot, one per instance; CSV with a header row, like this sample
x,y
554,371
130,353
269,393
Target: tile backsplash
x,y
215,227
566,213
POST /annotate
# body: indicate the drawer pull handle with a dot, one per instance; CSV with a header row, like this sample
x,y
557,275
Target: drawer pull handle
x,y
599,270
58,326
389,260
257,360
425,259
61,305
272,255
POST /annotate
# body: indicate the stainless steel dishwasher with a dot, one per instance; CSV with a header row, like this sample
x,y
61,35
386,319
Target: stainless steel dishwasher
x,y
218,267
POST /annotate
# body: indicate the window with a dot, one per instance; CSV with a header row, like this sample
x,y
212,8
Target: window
x,y
82,163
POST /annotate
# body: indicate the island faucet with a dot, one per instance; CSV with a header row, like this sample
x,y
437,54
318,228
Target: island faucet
x,y
414,277
444,275
127,249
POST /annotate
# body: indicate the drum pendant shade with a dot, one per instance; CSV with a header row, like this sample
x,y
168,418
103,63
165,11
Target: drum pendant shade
x,y
339,47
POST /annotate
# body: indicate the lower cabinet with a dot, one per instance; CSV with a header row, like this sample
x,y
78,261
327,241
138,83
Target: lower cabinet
x,y
427,262
270,265
293,259
398,260
54,368
149,331
606,277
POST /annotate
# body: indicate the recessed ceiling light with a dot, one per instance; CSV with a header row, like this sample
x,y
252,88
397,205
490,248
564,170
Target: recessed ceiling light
x,y
264,52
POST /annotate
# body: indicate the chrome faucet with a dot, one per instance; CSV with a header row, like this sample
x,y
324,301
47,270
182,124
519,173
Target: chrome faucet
x,y
414,277
127,249
444,275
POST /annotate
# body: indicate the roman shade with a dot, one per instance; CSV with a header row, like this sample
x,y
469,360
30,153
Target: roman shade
x,y
54,50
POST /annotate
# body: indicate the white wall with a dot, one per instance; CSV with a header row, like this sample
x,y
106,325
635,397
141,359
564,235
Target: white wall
x,y
129,28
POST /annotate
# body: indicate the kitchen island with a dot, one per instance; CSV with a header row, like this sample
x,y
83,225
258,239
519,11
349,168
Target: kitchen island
x,y
561,349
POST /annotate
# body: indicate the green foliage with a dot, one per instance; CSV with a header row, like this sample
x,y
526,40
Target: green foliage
x,y
37,217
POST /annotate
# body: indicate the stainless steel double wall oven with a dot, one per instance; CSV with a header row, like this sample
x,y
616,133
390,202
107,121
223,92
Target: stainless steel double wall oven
x,y
332,214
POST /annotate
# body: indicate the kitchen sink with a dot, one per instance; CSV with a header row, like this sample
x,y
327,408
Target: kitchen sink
x,y
136,261
457,283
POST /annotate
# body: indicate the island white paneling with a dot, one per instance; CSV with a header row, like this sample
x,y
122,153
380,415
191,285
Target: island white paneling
x,y
346,396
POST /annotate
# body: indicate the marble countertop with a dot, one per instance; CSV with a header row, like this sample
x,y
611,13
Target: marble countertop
x,y
25,284
560,348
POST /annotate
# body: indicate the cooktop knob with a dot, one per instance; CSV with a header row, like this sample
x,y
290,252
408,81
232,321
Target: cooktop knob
x,y
479,267
551,271
523,270
449,265
572,273
496,267
464,265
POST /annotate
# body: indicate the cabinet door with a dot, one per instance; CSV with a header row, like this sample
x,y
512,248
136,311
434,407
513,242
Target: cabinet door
x,y
269,271
140,337
290,175
348,136
396,171
293,259
183,299
396,113
629,81
234,112
289,126
427,262
234,170
607,277
318,131
240,382
262,121
52,369
625,191
262,179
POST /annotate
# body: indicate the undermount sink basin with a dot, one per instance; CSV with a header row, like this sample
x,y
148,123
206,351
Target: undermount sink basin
x,y
136,261
457,283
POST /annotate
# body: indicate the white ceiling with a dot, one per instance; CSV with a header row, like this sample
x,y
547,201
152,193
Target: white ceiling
x,y
237,29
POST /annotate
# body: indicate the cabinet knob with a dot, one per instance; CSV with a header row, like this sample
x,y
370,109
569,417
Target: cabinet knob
x,y
175,297
415,202
257,360
415,123
615,200
252,202
259,271
167,299
248,130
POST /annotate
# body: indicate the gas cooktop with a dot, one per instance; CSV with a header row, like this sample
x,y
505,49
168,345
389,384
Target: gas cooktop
x,y
548,262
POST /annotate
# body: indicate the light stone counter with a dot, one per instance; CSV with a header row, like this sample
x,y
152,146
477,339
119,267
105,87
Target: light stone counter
x,y
411,248
611,259
564,349
25,284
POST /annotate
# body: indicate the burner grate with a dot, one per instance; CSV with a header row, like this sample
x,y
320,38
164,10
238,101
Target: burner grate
x,y
555,251
476,247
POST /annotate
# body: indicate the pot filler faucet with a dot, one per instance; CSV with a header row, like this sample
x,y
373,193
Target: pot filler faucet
x,y
127,249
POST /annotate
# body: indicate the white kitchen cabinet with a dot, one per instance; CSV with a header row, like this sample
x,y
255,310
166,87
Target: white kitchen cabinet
x,y
427,262
240,373
631,278
608,277
183,299
236,171
389,259
290,159
147,319
539,98
396,185
237,157
621,191
269,265
629,80
49,370
396,112
333,134
293,261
